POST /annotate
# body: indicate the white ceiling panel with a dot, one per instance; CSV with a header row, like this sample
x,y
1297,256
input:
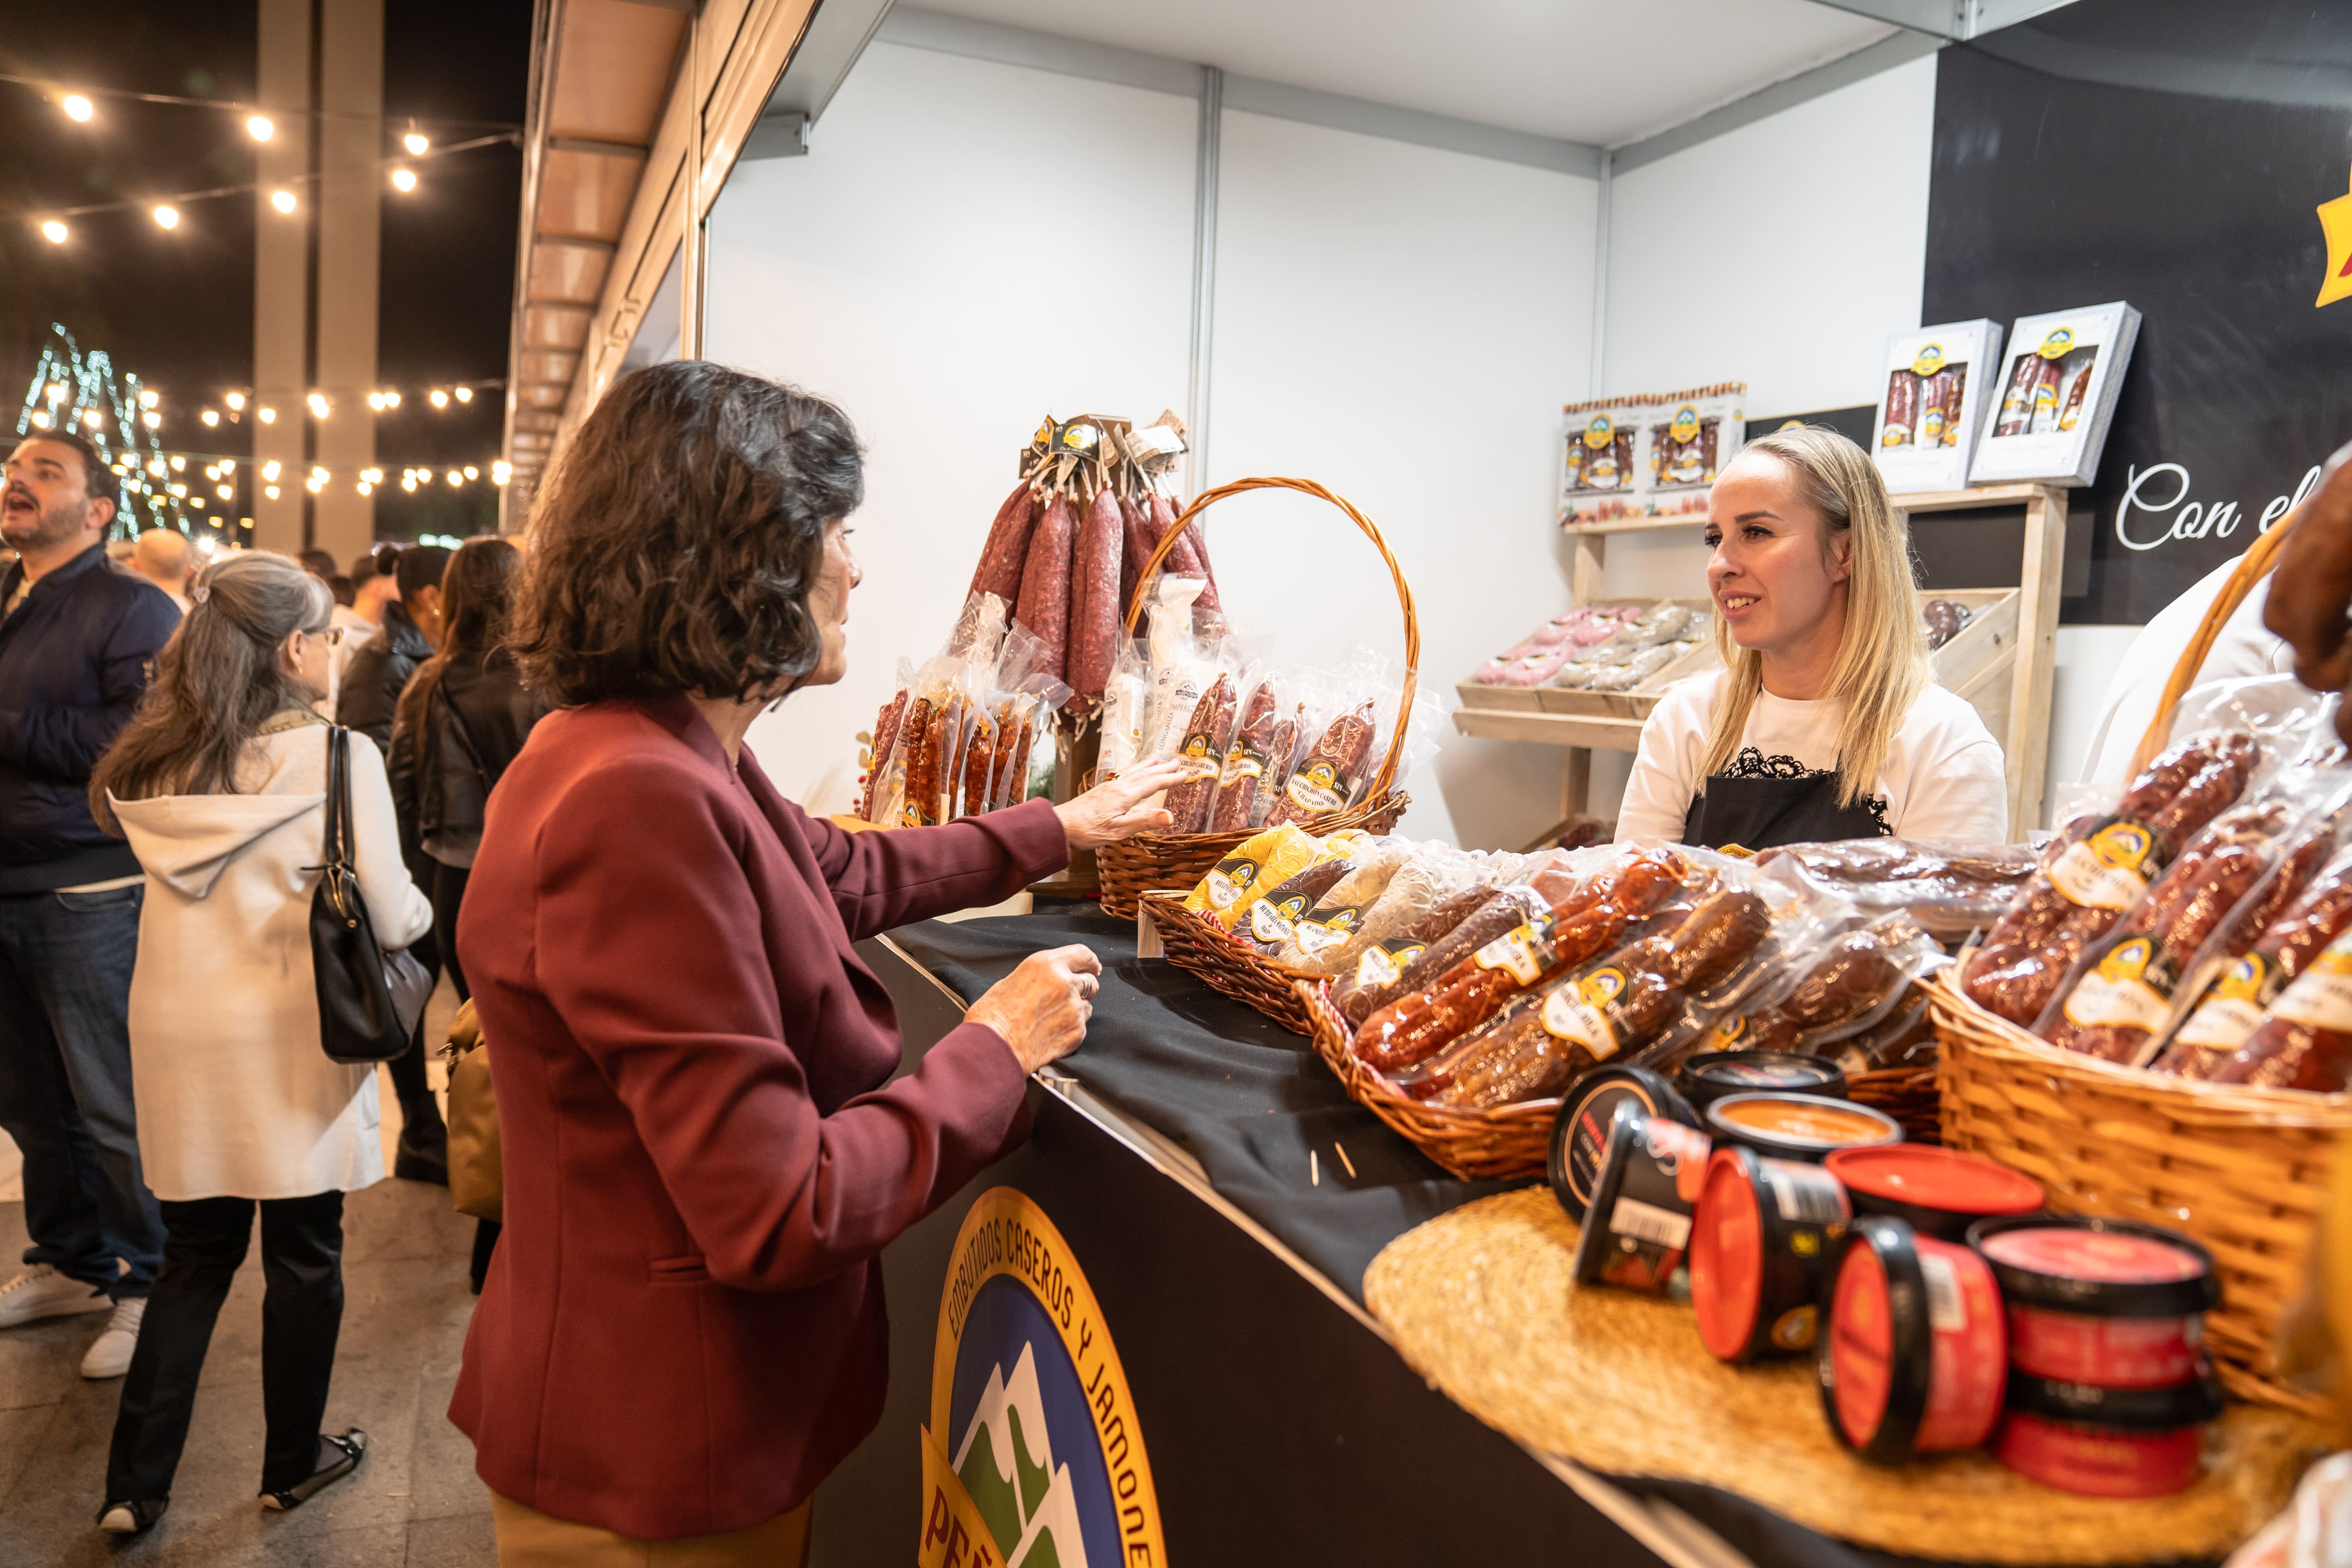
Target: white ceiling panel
x,y
1599,71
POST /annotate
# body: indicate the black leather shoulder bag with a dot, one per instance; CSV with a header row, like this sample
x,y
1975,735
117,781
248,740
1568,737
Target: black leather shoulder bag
x,y
369,1000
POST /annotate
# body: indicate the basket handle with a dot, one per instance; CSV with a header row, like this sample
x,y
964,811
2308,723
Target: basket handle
x,y
2252,567
1385,778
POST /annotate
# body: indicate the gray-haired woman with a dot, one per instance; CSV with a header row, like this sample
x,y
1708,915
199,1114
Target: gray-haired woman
x,y
219,784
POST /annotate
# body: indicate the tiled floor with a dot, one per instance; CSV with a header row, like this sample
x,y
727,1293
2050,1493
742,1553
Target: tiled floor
x,y
416,1502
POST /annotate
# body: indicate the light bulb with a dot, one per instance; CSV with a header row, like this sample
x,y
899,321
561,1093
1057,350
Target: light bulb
x,y
229,465
375,401
465,394
372,476
392,399
225,492
269,415
54,232
455,477
282,200
318,409
41,418
319,473
152,420
408,483
210,417
89,416
314,484
167,217
57,391
156,468
148,399
416,142
235,400
366,488
270,470
472,472
259,127
179,464
270,490
501,471
404,179
76,106
440,398
179,490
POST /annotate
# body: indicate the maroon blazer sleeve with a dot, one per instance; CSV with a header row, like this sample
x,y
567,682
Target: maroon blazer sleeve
x,y
649,945
888,878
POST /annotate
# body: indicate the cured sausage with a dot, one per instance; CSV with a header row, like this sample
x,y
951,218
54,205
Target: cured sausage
x,y
1206,738
885,735
1583,922
1189,557
1095,604
1327,776
1045,603
2306,1042
1548,1039
1002,557
1272,920
2234,1005
2099,869
1135,551
1014,783
1857,974
979,762
1381,968
1246,761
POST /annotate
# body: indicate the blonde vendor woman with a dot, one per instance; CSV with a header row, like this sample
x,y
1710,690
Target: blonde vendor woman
x,y
1825,721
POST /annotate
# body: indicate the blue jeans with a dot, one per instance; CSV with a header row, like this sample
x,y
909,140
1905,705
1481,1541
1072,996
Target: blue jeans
x,y
65,1085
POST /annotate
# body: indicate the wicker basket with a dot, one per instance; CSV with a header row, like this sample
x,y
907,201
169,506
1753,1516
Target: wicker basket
x,y
1178,860
2239,1169
1475,1145
1201,946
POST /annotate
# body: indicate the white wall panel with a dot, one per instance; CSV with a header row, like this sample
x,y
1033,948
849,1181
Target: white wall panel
x,y
1402,325
944,265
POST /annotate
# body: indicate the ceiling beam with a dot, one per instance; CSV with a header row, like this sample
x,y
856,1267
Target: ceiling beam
x,y
1954,21
1898,48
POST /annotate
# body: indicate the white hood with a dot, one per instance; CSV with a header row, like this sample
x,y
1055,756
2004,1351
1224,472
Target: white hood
x,y
187,839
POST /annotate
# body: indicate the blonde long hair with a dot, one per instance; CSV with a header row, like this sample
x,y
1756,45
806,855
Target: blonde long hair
x,y
1882,663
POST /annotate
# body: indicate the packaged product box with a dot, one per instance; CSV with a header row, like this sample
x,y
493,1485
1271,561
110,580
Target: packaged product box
x,y
1649,453
1939,385
2057,396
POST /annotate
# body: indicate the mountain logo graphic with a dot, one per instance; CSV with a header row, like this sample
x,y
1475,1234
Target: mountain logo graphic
x,y
1034,1457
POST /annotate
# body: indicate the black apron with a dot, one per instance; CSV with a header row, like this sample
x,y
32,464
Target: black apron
x,y
1762,813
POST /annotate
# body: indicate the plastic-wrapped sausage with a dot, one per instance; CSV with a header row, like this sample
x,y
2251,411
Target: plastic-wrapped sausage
x,y
2235,1003
1190,556
2101,870
1203,750
1246,761
1584,920
1007,549
1326,778
1095,604
1384,965
2306,1041
1862,973
1045,603
1135,550
885,735
1548,1039
979,762
2116,1007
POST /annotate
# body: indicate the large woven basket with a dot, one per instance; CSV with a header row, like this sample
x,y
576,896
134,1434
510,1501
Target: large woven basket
x,y
2239,1169
1178,860
1475,1145
1199,945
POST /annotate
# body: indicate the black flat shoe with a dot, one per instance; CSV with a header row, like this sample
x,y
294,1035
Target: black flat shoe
x,y
338,1457
136,1518
423,1159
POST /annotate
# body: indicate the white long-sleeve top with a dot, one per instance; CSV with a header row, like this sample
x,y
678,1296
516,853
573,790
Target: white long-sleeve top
x,y
236,1097
1942,778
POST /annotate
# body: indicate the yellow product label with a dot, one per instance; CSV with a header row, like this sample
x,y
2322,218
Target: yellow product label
x,y
2321,996
1931,426
1329,929
1251,866
1582,1014
1315,787
1078,436
1929,360
2058,344
2116,994
1384,963
2110,869
1525,951
1274,924
1600,432
1684,424
2234,1009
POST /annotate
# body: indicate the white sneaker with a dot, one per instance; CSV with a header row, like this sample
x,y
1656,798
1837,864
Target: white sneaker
x,y
41,1292
109,1356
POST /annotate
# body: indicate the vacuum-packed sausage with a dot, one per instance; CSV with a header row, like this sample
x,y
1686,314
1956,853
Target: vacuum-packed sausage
x,y
1326,778
2235,1003
885,735
1189,557
1203,753
2306,1042
1383,968
1246,761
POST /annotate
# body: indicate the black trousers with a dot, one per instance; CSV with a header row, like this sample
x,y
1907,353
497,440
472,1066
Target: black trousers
x,y
301,1316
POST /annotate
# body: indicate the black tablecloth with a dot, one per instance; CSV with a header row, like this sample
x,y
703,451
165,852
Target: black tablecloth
x,y
1250,1101
1247,1098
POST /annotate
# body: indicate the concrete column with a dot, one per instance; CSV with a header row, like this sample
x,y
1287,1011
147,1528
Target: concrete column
x,y
281,277
350,185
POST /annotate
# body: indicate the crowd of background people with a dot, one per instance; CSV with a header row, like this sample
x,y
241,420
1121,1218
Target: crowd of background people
x,y
162,725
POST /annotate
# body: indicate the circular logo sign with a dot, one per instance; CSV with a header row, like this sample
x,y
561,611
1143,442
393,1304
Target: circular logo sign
x,y
1033,1458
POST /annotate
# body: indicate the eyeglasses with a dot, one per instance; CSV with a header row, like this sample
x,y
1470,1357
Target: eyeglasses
x,y
333,636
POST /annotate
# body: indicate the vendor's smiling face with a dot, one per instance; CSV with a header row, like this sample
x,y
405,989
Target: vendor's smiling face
x,y
1778,577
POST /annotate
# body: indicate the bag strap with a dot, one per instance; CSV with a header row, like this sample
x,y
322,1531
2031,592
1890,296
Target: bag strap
x,y
465,737
339,846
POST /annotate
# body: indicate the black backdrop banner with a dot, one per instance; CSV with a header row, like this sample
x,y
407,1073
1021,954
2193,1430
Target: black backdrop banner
x,y
2195,159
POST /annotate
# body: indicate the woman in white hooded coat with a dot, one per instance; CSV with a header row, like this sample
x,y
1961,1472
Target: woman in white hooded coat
x,y
219,784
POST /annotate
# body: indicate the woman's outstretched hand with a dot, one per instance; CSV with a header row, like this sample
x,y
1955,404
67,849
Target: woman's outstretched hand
x,y
1110,812
1041,1008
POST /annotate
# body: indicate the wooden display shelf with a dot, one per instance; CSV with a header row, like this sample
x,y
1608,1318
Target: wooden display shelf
x,y
2002,662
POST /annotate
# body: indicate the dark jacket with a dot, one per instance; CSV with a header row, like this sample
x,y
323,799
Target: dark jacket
x,y
74,661
705,1151
372,680
475,720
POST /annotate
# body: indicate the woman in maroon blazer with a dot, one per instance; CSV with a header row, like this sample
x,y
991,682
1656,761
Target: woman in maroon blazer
x,y
682,1332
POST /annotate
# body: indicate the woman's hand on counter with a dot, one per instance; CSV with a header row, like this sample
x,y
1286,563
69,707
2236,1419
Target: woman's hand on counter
x,y
1041,1008
1112,811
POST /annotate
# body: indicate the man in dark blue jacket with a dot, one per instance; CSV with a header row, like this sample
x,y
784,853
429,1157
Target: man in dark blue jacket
x,y
77,643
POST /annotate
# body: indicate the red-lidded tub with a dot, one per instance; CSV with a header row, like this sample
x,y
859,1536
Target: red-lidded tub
x,y
1937,1192
2103,1302
1760,1244
1915,1360
2107,1442
1639,1218
1799,1126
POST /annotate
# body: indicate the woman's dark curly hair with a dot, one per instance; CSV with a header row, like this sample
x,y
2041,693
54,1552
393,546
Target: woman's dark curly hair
x,y
677,547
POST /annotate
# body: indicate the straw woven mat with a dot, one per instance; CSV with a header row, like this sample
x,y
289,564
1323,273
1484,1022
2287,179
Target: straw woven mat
x,y
1479,1302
